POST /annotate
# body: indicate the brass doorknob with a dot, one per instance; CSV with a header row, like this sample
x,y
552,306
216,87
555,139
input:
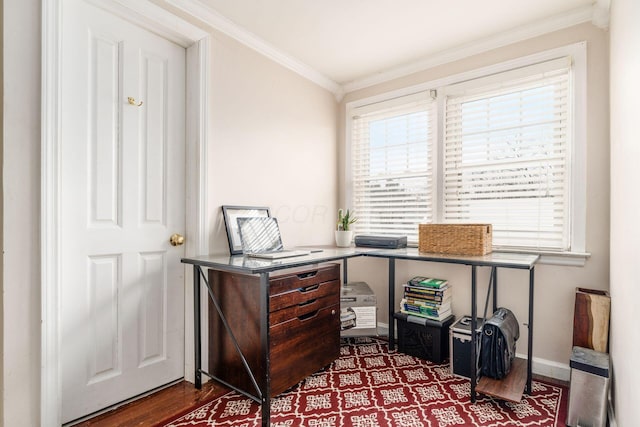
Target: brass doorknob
x,y
176,239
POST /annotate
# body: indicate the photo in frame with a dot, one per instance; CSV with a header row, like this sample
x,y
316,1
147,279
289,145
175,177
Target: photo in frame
x,y
231,215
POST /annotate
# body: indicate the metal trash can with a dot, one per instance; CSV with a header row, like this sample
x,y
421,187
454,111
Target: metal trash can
x,y
588,388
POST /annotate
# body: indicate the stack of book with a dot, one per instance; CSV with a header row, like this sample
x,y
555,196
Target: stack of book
x,y
426,297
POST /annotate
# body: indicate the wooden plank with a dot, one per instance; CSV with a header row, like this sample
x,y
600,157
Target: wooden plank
x,y
591,319
159,406
509,388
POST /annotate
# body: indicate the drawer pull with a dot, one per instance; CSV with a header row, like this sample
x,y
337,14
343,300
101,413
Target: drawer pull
x,y
307,274
311,301
309,288
308,315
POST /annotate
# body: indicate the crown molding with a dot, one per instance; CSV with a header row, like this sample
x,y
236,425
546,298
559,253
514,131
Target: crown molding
x,y
554,23
598,14
210,17
601,11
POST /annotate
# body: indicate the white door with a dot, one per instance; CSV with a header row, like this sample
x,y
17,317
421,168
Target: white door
x,y
122,196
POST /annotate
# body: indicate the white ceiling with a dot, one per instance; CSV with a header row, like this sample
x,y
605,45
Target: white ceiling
x,y
347,44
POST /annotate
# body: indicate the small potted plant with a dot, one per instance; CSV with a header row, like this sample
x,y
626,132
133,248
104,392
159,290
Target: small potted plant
x,y
343,233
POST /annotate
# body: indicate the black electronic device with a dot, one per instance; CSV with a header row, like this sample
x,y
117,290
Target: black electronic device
x,y
384,242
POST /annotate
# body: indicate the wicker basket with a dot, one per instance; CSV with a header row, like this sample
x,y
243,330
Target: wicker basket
x,y
457,239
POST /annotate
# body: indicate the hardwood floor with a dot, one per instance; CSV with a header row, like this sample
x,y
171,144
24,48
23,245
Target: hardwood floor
x,y
155,408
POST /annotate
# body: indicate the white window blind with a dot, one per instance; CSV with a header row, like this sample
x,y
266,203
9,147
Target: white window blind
x,y
506,158
391,171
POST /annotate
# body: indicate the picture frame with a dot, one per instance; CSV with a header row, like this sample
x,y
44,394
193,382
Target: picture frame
x,y
231,215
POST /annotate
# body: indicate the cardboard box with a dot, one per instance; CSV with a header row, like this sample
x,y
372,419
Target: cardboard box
x,y
358,310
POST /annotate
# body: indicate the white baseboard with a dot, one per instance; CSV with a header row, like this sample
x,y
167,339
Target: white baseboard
x,y
383,329
610,414
549,368
546,368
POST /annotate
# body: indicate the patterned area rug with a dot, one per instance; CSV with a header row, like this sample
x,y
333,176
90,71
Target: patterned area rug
x,y
370,386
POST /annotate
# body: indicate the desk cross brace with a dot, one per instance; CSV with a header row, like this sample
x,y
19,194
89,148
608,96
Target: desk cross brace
x,y
198,271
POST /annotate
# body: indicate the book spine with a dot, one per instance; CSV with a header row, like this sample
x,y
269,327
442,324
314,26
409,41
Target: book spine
x,y
424,309
437,298
433,283
428,290
423,303
438,318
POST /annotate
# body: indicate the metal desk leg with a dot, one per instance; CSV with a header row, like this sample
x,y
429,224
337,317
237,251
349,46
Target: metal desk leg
x,y
474,314
495,287
264,342
197,339
392,303
530,335
344,271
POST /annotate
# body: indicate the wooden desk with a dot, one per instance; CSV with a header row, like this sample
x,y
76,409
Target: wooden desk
x,y
263,268
261,391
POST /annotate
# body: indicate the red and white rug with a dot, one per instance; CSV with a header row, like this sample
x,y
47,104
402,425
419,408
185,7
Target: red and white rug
x,y
369,386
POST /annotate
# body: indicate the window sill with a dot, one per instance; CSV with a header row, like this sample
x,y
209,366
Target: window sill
x,y
572,259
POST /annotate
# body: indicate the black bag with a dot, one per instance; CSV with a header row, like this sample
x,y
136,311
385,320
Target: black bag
x,y
498,348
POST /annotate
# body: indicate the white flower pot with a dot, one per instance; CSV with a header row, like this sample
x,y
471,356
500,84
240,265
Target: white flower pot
x,y
343,238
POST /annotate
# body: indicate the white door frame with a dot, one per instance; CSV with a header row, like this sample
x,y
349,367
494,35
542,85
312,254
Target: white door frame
x,y
196,41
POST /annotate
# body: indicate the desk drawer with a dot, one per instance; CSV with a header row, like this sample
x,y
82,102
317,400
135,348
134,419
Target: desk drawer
x,y
304,278
300,348
307,327
304,295
304,309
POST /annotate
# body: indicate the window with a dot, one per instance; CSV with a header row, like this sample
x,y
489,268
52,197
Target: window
x,y
392,173
506,156
501,147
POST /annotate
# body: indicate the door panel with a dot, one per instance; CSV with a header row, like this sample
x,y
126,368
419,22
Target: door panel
x,y
105,353
122,196
153,321
154,140
105,171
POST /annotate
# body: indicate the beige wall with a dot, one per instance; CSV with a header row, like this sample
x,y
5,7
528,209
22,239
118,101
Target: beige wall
x,y
265,122
625,209
21,201
273,143
555,285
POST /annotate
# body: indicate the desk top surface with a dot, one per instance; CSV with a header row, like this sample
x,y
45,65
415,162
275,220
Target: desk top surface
x,y
245,264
